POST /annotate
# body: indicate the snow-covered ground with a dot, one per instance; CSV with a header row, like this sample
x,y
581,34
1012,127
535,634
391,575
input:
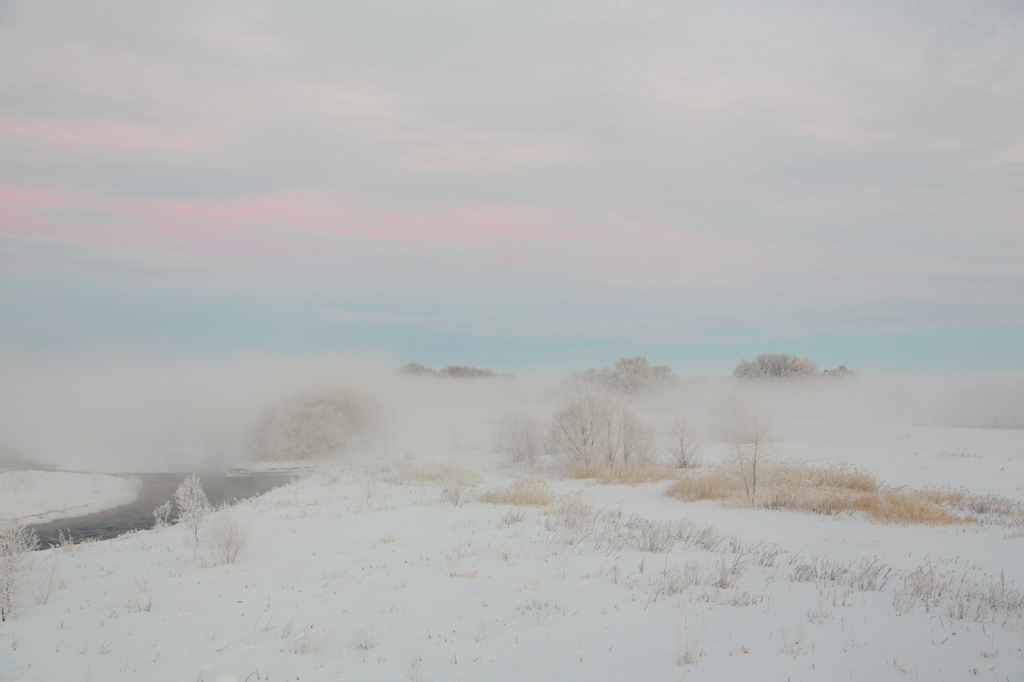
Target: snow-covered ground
x,y
370,572
41,496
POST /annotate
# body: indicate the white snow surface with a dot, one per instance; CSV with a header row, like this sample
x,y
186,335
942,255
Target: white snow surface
x,y
363,572
41,496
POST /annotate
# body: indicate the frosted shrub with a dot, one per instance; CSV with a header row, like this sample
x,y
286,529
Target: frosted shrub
x,y
229,534
162,515
193,506
454,483
578,427
574,515
16,542
653,536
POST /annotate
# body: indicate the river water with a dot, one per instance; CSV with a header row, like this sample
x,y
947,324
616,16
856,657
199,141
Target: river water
x,y
154,491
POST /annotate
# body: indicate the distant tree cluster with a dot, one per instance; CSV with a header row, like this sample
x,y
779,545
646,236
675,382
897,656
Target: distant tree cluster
x,y
449,372
316,426
629,376
784,366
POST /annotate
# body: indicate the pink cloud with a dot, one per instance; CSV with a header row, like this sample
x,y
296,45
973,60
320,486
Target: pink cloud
x,y
308,228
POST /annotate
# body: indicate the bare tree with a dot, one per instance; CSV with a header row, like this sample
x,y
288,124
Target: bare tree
x,y
598,430
751,445
16,542
577,428
683,443
520,437
193,505
630,441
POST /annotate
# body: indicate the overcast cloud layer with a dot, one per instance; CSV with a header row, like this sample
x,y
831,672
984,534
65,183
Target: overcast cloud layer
x,y
520,184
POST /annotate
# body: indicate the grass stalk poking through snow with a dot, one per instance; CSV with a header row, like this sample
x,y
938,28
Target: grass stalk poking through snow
x,y
523,492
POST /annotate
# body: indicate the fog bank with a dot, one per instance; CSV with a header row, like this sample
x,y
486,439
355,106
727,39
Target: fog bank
x,y
191,417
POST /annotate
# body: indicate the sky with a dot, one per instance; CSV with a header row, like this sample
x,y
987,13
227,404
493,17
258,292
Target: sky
x,y
520,185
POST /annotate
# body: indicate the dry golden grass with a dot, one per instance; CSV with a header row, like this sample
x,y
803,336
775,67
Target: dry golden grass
x,y
634,474
817,490
437,473
630,474
523,492
715,483
843,478
896,506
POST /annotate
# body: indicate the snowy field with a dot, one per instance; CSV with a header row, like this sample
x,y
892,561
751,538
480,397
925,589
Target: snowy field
x,y
41,496
394,568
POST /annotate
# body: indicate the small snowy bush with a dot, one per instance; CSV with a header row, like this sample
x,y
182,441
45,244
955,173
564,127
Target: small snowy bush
x,y
162,515
229,534
16,542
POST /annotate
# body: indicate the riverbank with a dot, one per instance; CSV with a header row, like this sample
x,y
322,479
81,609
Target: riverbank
x,y
33,497
152,491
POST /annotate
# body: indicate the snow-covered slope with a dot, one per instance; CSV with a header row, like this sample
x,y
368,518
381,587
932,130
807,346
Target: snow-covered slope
x,y
369,572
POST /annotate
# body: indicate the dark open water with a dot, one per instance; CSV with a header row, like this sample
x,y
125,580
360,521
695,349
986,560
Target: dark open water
x,y
155,490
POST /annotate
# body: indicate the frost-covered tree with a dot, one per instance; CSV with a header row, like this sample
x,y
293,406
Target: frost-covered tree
x,y
193,505
577,428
